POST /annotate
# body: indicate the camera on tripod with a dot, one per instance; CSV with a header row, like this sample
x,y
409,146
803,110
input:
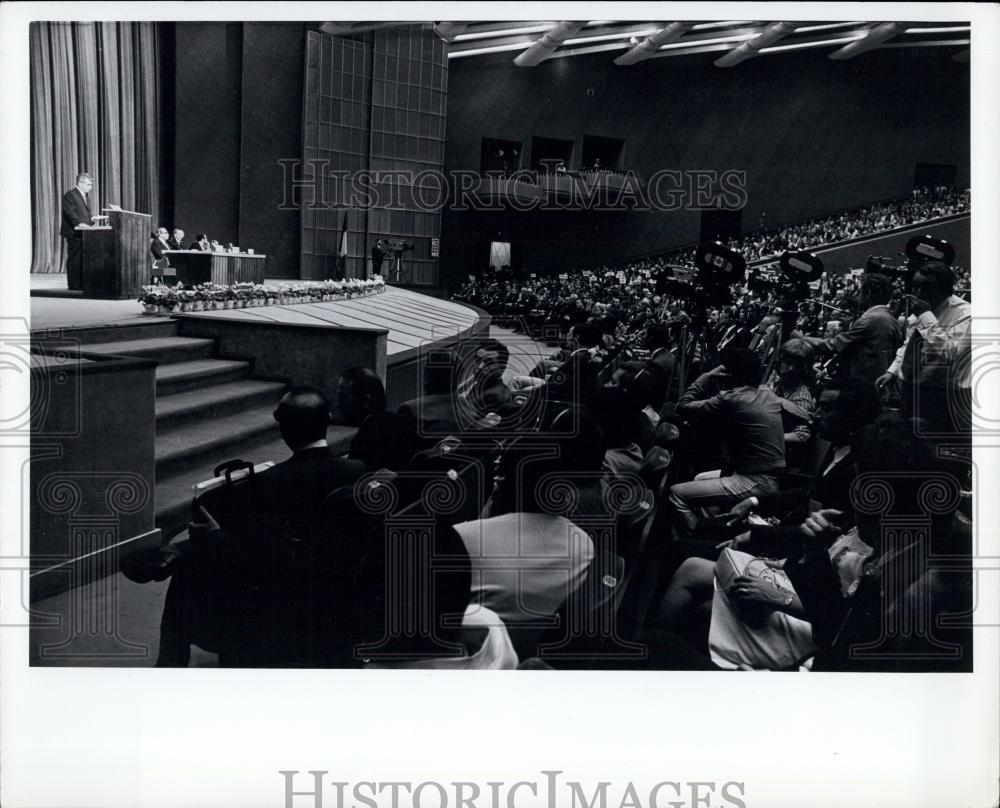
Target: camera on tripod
x,y
919,250
790,282
717,269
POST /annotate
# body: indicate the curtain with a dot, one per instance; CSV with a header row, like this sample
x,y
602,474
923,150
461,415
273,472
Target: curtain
x,y
94,109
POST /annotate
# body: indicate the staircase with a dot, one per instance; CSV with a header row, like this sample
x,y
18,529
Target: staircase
x,y
208,410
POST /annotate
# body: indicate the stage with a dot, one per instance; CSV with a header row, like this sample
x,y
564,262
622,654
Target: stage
x,y
411,320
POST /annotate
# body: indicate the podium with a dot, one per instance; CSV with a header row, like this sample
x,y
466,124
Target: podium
x,y
116,258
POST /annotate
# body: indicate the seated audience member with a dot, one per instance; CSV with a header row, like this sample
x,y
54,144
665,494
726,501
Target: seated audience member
x,y
436,414
641,385
933,367
749,418
791,382
483,391
454,633
888,610
868,346
661,361
201,242
618,415
847,578
573,433
529,559
844,409
384,439
258,548
176,240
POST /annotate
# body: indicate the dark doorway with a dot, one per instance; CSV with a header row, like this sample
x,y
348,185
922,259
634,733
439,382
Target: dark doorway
x,y
602,152
500,155
548,152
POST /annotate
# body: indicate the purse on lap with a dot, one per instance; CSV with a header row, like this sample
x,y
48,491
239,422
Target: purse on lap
x,y
756,638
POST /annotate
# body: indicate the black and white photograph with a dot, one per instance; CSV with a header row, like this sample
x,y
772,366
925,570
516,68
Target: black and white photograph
x,y
341,353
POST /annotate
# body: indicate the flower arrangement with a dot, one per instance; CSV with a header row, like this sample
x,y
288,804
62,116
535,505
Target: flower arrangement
x,y
215,296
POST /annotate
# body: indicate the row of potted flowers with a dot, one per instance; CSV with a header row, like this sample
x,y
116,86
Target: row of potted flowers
x,y
215,296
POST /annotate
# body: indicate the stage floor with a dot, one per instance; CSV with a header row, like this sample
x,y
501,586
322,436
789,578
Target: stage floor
x,y
412,319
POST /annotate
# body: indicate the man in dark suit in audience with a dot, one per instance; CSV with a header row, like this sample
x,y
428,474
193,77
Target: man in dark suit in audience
x,y
76,211
436,414
384,439
273,551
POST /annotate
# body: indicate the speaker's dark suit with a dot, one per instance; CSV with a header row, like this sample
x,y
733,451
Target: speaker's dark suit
x,y
75,210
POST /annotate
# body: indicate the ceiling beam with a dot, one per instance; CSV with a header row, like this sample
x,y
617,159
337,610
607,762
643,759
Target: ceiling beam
x,y
548,42
875,37
348,28
449,30
652,43
770,35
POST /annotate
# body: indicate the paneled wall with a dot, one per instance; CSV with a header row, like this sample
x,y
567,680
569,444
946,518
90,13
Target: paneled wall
x,y
374,104
336,140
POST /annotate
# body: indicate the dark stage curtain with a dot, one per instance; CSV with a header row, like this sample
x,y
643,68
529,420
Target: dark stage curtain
x,y
94,108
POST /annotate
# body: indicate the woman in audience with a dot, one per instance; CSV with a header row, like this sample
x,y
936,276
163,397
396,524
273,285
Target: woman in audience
x,y
891,607
845,574
431,575
529,559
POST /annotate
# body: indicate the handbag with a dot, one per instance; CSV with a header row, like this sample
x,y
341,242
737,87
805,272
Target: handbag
x,y
757,639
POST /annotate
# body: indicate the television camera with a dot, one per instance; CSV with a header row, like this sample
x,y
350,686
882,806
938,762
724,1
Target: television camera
x,y
717,268
791,281
919,249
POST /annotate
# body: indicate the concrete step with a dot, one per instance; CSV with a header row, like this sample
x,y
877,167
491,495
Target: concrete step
x,y
208,442
164,350
179,377
174,494
92,335
219,400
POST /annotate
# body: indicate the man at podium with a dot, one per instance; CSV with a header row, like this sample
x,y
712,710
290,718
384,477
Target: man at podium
x,y
76,211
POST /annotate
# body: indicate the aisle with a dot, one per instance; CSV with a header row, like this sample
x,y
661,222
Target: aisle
x,y
525,352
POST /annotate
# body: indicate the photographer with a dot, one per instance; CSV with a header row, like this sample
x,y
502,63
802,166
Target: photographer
x,y
865,347
933,365
750,418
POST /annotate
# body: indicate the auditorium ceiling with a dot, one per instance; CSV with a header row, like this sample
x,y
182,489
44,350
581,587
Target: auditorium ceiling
x,y
726,43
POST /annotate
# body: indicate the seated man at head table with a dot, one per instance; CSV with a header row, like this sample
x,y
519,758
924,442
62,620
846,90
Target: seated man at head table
x,y
201,242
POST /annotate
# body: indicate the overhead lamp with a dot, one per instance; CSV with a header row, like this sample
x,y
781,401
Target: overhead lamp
x,y
548,42
749,49
875,37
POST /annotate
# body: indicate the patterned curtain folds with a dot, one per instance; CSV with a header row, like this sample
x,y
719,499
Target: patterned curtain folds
x,y
94,108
